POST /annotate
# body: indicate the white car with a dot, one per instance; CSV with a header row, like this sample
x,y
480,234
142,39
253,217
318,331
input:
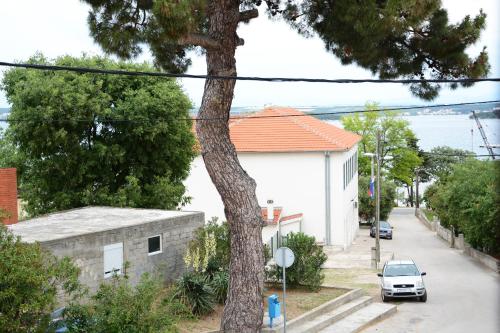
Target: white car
x,y
402,279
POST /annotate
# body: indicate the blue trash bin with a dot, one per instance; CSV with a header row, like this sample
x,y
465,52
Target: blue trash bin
x,y
274,308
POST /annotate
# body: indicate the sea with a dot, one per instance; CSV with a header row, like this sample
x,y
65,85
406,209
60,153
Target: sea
x,y
437,127
456,131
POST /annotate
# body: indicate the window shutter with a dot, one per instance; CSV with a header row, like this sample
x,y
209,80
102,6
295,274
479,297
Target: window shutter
x,y
113,259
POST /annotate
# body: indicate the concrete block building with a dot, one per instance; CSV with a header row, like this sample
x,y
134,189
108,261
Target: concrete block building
x,y
101,239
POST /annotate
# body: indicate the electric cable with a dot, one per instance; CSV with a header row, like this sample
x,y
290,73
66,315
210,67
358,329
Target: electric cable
x,y
314,114
88,70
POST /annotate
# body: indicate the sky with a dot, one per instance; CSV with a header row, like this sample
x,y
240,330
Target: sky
x,y
272,49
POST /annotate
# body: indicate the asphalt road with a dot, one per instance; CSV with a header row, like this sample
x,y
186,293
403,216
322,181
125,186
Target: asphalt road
x,y
463,296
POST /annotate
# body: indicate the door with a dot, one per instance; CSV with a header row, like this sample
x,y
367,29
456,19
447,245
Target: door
x,y
113,259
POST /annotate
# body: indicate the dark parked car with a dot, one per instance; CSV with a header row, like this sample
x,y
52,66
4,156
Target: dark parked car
x,y
385,230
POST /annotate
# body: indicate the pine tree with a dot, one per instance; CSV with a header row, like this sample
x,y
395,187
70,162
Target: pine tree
x,y
397,38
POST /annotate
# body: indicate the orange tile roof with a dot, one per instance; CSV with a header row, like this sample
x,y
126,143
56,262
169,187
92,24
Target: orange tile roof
x,y
291,217
267,131
297,132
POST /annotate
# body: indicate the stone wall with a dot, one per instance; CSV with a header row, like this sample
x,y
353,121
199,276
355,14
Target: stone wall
x,y
421,216
459,242
87,250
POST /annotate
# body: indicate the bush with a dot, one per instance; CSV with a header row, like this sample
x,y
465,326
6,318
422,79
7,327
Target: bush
x,y
195,291
210,250
220,285
469,200
118,307
29,281
306,270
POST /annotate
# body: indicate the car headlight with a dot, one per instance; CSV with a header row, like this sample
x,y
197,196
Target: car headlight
x,y
420,284
387,285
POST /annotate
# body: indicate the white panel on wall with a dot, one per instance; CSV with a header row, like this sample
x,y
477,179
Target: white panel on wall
x,y
113,259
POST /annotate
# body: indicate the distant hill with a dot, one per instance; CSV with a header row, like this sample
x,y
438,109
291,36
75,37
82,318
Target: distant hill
x,y
4,110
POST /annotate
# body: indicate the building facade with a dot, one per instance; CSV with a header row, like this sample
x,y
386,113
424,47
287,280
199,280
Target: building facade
x,y
302,164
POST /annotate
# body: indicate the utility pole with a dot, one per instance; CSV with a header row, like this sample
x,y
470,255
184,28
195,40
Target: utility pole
x,y
376,156
377,212
417,201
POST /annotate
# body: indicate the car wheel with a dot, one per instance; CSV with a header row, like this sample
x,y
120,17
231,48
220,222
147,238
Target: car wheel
x,y
384,298
423,298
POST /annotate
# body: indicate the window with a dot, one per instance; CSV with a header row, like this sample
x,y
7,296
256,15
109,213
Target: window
x,y
113,259
344,175
154,245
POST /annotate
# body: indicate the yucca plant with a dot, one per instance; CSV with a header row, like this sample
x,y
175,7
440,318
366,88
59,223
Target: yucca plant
x,y
195,291
220,284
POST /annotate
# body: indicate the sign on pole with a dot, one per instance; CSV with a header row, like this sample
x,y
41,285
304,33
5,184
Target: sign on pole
x,y
284,258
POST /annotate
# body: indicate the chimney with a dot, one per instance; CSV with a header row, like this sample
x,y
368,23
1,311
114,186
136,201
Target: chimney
x,y
8,196
270,210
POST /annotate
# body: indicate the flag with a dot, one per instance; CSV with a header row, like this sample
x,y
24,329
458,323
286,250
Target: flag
x,y
371,189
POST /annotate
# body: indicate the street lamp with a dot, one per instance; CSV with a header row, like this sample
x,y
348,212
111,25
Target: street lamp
x,y
377,202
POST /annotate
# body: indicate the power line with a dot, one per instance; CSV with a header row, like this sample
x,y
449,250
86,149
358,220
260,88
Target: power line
x,y
315,114
457,155
86,70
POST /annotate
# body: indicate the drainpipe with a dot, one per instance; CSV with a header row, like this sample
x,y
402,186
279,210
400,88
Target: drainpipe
x,y
327,200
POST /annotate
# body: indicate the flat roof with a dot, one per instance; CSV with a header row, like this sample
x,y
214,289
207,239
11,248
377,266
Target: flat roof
x,y
87,220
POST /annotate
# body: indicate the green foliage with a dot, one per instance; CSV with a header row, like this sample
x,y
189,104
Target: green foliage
x,y
397,140
220,285
118,307
430,194
392,39
30,279
367,208
306,270
88,139
442,159
469,200
409,39
210,250
195,291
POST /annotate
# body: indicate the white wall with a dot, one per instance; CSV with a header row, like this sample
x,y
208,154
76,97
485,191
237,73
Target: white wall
x,y
296,182
344,213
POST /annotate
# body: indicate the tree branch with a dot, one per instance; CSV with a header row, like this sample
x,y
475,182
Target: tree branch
x,y
199,40
247,15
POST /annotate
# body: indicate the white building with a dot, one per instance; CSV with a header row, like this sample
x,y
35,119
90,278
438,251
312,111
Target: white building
x,y
304,165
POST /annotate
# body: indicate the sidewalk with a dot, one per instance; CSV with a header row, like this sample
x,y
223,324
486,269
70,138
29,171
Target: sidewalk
x,y
358,255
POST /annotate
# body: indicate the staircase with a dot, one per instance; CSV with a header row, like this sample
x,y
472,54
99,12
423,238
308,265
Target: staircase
x,y
349,313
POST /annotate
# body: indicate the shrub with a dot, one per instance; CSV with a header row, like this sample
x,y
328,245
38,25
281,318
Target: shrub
x,y
306,270
210,250
119,307
220,285
30,279
468,199
195,291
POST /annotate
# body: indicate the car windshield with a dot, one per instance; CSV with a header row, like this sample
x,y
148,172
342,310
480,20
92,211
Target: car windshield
x,y
401,270
385,225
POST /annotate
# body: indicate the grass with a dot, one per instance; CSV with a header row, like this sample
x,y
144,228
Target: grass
x,y
298,301
362,278
429,214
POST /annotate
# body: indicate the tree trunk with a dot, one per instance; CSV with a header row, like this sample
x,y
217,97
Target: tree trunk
x,y
411,195
244,307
